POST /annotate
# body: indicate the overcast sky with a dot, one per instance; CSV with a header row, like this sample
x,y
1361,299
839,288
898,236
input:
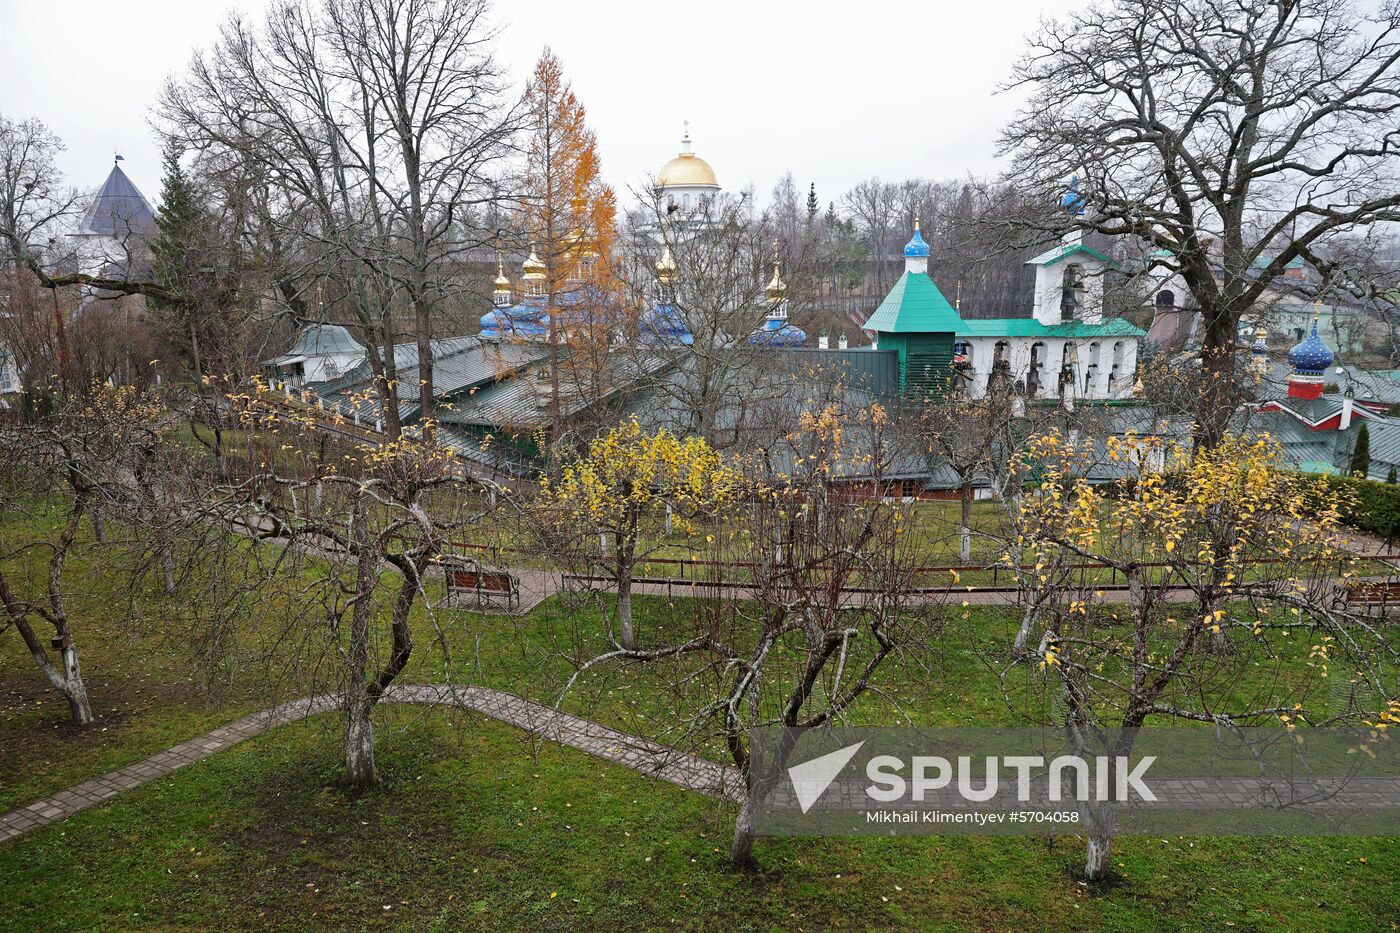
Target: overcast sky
x,y
833,92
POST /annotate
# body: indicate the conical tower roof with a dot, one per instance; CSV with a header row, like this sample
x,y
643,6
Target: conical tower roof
x,y
119,210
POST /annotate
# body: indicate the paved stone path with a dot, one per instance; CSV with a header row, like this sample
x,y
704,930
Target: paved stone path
x,y
649,758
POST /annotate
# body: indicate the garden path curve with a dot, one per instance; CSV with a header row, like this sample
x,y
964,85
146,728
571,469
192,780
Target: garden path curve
x,y
649,758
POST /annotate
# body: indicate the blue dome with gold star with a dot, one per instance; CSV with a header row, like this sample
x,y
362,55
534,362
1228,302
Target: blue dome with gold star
x,y
916,248
1312,355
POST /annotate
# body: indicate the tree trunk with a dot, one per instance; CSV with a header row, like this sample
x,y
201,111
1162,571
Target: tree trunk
x,y
99,527
626,547
1096,859
741,847
965,545
427,403
74,690
359,734
167,570
359,743
624,610
1023,634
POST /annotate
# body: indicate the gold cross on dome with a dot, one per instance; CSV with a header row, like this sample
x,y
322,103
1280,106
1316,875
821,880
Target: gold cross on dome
x,y
686,123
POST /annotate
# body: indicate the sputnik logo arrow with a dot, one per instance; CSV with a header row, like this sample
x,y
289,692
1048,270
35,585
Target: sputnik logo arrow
x,y
811,778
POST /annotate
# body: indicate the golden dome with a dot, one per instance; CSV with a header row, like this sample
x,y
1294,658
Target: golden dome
x,y
777,288
687,169
532,267
666,267
502,283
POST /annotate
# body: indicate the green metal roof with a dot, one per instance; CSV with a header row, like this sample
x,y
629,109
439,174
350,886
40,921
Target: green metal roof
x,y
1064,251
318,339
1030,327
915,306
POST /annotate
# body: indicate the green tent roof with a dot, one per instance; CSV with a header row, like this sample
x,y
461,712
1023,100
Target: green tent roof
x,y
1030,327
1066,250
915,306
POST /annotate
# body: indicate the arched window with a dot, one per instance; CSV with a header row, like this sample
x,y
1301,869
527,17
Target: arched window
x,y
1067,366
1033,377
685,201
1166,298
1070,298
1001,365
1115,373
1091,371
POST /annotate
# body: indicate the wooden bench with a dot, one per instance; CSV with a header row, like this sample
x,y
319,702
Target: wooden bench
x,y
1373,593
490,588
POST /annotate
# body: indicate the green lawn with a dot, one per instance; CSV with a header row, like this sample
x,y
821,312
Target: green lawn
x,y
468,831
471,830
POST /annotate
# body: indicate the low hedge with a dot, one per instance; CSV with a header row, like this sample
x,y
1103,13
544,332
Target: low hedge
x,y
1369,505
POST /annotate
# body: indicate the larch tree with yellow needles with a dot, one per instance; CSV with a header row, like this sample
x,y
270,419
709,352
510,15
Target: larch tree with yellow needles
x,y
570,216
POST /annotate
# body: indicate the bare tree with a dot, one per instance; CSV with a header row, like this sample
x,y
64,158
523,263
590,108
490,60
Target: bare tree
x,y
375,130
873,205
87,456
372,523
1233,137
721,261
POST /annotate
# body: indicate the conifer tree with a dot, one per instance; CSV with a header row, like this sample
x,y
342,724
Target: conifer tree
x,y
175,260
812,203
1361,453
570,213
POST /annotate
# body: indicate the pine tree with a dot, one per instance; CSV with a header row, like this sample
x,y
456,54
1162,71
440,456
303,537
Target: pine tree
x,y
1361,453
812,203
175,252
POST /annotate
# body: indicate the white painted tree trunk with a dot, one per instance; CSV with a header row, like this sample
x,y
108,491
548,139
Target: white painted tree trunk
x,y
359,745
74,690
741,847
1096,859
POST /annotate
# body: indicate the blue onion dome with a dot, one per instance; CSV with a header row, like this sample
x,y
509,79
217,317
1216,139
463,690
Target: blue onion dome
x,y
492,322
663,325
779,334
527,319
1072,202
1261,344
916,248
1312,355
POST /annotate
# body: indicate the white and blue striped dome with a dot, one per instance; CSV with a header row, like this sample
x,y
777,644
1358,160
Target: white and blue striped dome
x,y
1312,356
